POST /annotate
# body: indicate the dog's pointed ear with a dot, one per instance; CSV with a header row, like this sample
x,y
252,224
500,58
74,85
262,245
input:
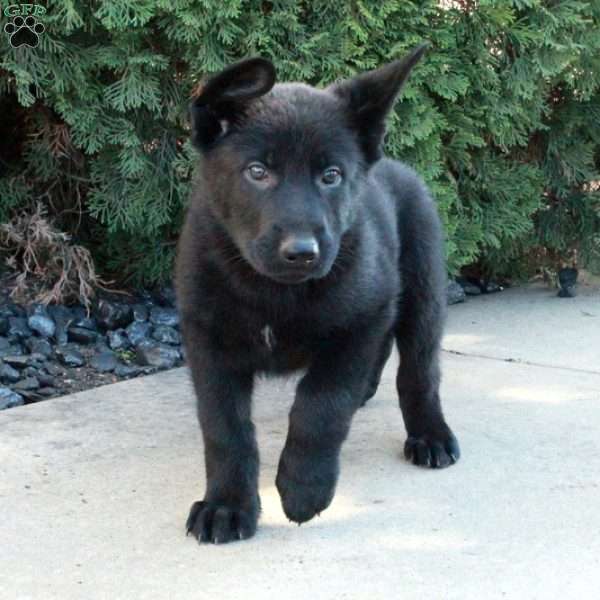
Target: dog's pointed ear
x,y
222,99
370,97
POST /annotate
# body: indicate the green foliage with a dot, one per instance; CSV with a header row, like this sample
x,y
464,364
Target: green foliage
x,y
502,118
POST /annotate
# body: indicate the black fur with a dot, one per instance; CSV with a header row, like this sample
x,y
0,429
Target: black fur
x,y
303,249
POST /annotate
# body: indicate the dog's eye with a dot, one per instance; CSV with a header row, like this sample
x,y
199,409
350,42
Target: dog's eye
x,y
257,171
331,176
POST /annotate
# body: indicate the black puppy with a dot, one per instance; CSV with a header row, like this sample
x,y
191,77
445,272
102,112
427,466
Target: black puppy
x,y
305,249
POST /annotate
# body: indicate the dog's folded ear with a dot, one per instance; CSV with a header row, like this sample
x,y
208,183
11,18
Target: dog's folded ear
x,y
222,99
371,96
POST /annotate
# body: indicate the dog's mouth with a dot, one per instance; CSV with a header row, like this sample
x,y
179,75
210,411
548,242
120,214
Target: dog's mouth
x,y
290,278
293,276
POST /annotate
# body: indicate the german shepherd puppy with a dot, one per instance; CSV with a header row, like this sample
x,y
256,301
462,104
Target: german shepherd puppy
x,y
304,248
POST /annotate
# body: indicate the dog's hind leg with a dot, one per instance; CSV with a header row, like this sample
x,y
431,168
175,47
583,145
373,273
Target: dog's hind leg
x,y
375,377
419,331
430,441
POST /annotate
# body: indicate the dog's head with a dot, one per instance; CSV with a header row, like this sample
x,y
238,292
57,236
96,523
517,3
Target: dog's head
x,y
283,163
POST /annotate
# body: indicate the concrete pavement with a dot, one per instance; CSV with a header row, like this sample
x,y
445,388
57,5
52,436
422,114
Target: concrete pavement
x,y
95,487
530,325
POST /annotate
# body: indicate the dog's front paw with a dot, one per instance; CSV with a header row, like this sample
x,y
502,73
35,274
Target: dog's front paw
x,y
220,523
435,450
306,485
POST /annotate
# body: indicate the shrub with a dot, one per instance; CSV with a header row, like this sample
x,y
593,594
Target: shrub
x,y
502,118
49,267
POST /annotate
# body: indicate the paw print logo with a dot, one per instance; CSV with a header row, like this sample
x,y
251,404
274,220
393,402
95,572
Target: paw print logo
x,y
24,32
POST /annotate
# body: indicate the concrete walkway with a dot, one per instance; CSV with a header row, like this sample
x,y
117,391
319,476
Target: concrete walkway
x,y
95,488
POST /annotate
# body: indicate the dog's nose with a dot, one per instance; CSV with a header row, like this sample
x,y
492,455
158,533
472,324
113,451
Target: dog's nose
x,y
299,250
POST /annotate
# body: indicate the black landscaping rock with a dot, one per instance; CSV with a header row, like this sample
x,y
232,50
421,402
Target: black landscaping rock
x,y
30,396
54,369
101,345
61,313
42,348
30,372
8,374
146,296
35,308
105,362
12,350
61,335
122,370
138,331
37,360
166,335
164,316
10,399
45,379
15,310
18,328
567,292
112,315
155,354
140,312
455,293
27,385
37,345
47,391
86,323
16,361
567,279
40,321
79,312
165,296
45,326
82,335
118,340
69,356
63,317
492,287
470,288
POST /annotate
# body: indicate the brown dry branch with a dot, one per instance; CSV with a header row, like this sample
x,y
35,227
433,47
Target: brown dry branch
x,y
49,268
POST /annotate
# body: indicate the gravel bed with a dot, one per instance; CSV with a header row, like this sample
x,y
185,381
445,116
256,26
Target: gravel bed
x,y
48,351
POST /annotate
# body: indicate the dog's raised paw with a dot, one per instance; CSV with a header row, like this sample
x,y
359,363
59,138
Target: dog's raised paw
x,y
435,451
217,523
306,487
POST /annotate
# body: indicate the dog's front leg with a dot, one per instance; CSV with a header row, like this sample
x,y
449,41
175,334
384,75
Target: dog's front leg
x,y
230,508
326,399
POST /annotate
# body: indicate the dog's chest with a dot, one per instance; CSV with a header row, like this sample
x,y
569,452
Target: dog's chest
x,y
268,338
276,351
